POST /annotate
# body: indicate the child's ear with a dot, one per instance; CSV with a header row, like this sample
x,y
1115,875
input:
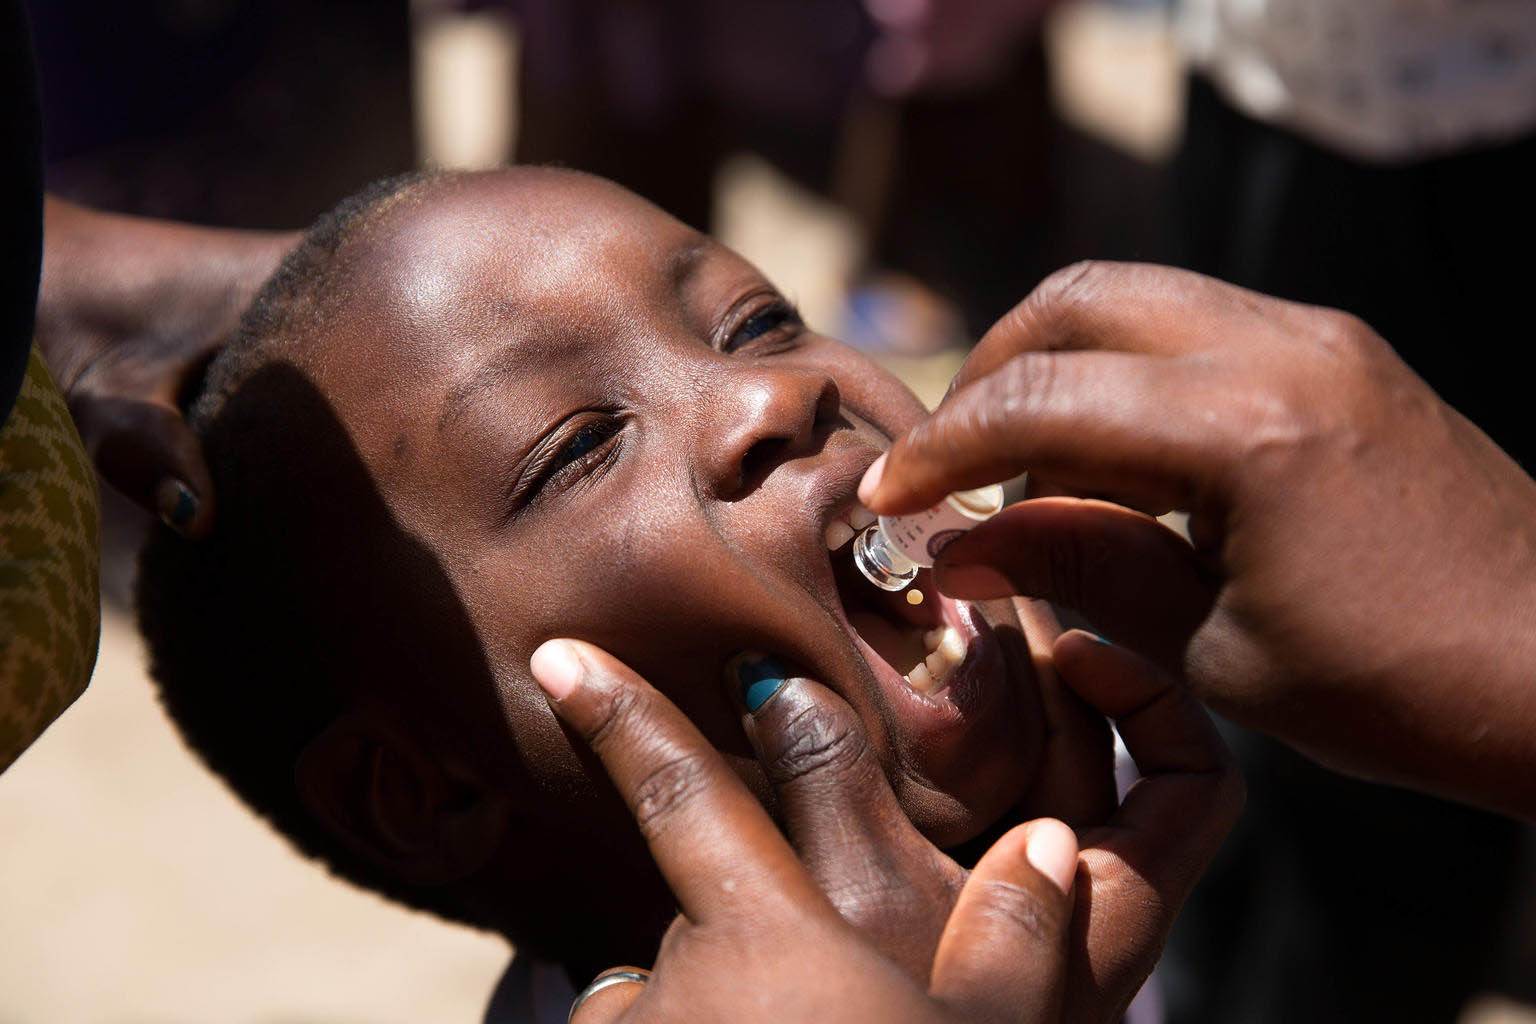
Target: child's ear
x,y
376,789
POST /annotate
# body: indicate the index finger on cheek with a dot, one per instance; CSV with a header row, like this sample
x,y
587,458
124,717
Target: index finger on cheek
x,y
1188,774
146,450
713,842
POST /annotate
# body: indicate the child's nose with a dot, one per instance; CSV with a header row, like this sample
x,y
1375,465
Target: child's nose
x,y
762,420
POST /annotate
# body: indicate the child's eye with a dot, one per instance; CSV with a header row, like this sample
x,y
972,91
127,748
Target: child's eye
x,y
582,450
582,443
778,320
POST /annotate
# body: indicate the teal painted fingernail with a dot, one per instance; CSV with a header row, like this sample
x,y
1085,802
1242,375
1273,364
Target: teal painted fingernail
x,y
760,677
1106,641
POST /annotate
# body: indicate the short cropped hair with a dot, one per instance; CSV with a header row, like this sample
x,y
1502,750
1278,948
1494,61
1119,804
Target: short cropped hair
x,y
244,668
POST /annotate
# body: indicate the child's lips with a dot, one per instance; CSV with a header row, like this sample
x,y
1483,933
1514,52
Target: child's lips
x,y
921,701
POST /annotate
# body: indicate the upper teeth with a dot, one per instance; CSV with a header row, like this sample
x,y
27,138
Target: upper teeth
x,y
843,529
946,649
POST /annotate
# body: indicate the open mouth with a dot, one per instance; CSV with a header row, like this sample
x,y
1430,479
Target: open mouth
x,y
921,637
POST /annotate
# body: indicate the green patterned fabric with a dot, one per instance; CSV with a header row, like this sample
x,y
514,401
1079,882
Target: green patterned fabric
x,y
50,554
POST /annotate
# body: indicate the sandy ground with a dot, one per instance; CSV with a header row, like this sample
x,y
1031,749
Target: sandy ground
x,y
133,887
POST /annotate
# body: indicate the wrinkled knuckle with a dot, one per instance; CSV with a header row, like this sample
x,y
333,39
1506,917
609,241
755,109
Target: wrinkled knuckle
x,y
820,743
618,715
1052,304
1024,389
1344,333
874,905
1350,350
922,439
1068,288
1023,909
1272,425
667,789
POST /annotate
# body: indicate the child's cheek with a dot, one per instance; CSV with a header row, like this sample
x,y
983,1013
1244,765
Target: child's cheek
x,y
869,390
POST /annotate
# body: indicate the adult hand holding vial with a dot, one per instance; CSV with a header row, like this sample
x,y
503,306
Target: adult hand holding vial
x,y
892,549
1361,554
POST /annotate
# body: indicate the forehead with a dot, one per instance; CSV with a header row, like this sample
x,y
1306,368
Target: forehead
x,y
511,241
441,278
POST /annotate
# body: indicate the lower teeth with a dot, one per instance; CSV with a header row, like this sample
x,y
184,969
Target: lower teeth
x,y
947,649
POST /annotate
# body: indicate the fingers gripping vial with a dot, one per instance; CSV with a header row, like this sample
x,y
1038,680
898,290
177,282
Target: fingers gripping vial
x,y
890,552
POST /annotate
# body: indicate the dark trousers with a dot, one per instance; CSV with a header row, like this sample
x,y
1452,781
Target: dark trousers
x,y
1336,900
1437,256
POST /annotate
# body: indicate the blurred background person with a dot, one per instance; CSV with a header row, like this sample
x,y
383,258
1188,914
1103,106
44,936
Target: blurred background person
x,y
930,124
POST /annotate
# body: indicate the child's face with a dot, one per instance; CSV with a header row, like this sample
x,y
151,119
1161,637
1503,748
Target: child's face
x,y
607,426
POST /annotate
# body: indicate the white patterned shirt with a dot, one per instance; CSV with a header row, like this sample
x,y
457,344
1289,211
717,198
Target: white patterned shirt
x,y
1379,80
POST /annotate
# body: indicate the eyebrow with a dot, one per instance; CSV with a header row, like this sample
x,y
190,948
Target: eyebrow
x,y
680,268
685,262
490,374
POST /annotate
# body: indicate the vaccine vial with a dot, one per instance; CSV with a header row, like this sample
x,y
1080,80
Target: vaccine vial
x,y
890,551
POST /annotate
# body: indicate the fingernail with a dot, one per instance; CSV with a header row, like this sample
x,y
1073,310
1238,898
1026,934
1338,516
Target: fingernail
x,y
557,668
973,581
760,677
871,481
1106,641
177,503
1052,851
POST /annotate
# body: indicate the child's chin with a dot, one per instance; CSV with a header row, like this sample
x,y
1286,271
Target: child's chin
x,y
956,820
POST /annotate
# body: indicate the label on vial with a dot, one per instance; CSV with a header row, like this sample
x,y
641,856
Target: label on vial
x,y
922,535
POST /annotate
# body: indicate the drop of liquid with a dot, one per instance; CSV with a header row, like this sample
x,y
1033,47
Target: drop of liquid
x,y
914,596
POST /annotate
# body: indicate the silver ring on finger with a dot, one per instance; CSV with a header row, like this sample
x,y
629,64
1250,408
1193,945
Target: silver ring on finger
x,y
607,979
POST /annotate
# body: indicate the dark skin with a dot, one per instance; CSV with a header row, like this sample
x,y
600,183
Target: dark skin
x,y
505,319
1363,579
129,310
488,321
1355,432
479,788
1040,931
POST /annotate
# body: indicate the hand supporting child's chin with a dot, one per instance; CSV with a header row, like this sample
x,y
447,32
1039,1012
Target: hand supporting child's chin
x,y
927,941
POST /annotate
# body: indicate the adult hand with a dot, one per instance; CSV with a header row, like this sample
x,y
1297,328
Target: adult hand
x,y
1363,577
758,938
130,310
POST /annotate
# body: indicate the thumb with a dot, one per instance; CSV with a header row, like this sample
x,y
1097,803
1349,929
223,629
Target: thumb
x,y
1133,578
146,450
1003,955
